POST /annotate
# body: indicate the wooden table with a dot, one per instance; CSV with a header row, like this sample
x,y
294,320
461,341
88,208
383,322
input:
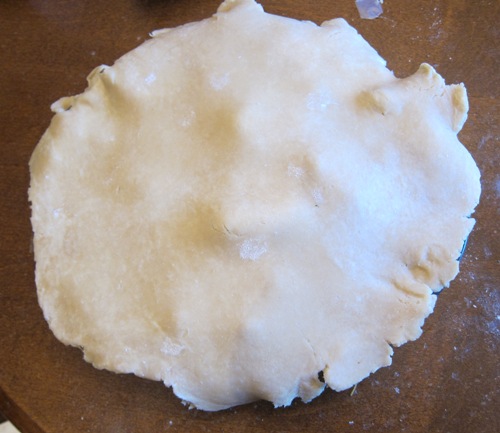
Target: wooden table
x,y
447,381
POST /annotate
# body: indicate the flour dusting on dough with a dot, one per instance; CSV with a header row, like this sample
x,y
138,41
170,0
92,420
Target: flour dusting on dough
x,y
252,249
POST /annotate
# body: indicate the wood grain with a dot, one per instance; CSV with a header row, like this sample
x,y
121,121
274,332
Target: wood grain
x,y
447,381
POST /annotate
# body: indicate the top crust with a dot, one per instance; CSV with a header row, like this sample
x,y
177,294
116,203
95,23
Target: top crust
x,y
240,203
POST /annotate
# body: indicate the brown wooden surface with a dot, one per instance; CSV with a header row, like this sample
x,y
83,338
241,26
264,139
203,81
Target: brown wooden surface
x,y
447,381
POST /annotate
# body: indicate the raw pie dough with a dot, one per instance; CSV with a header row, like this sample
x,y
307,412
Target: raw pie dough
x,y
241,203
